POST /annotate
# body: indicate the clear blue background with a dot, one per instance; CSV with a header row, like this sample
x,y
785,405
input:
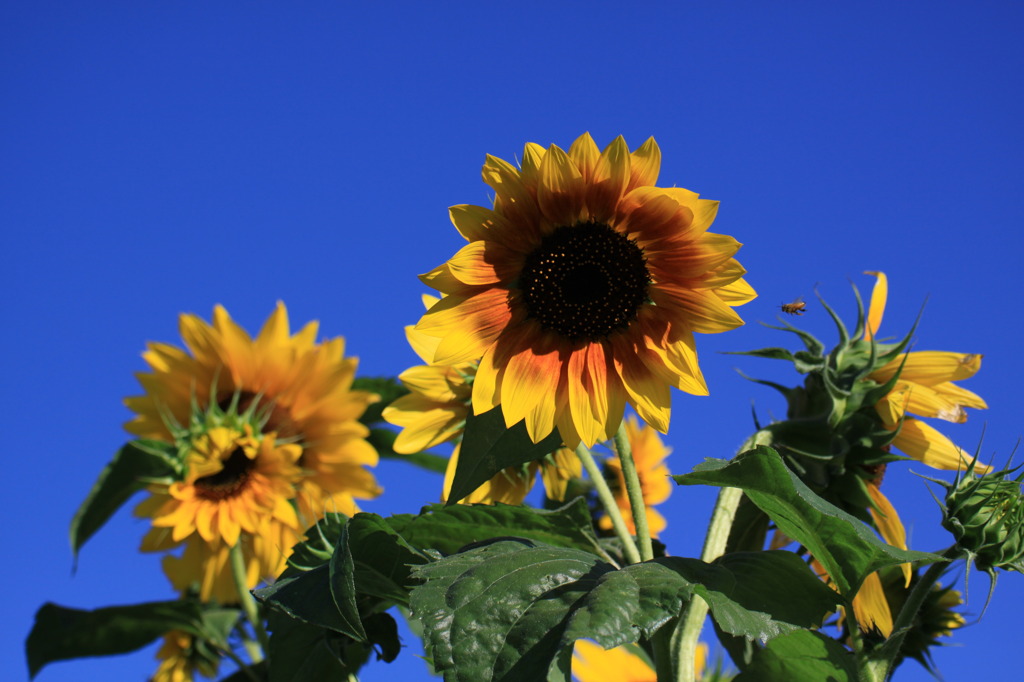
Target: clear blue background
x,y
160,157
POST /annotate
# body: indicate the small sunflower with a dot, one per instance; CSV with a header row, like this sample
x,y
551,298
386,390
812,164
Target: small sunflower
x,y
925,388
581,290
435,411
649,454
179,660
593,663
305,384
236,485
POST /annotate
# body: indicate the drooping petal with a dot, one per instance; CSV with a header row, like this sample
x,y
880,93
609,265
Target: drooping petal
x,y
481,263
870,607
889,525
925,444
930,367
461,342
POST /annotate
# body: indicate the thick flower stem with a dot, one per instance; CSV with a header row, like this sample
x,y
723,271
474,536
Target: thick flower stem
x,y
683,642
249,605
604,493
635,492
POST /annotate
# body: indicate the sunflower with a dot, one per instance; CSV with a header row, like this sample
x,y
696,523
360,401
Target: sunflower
x,y
435,411
179,660
236,485
268,440
593,663
649,454
580,290
924,388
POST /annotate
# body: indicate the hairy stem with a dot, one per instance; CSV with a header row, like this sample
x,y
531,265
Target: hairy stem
x,y
604,493
635,492
687,632
249,606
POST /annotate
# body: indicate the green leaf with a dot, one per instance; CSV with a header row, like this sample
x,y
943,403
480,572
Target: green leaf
x,y
488,447
847,549
387,388
125,475
496,612
449,528
383,440
302,652
382,558
801,655
307,597
342,573
61,633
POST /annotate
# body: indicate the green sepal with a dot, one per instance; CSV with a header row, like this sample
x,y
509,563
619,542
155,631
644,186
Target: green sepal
x,y
136,464
847,549
61,633
488,446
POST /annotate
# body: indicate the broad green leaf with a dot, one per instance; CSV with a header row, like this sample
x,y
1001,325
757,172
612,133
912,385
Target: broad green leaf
x,y
383,441
757,595
124,476
387,388
496,612
801,655
382,558
382,631
301,652
61,633
847,549
308,598
449,528
342,573
488,446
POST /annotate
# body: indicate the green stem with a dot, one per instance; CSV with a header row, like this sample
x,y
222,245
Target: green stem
x,y
635,491
684,638
249,606
604,493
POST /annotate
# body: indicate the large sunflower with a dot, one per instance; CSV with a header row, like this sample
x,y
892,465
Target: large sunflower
x,y
306,385
581,289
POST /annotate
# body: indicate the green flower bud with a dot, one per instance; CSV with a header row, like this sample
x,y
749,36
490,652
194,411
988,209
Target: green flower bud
x,y
986,516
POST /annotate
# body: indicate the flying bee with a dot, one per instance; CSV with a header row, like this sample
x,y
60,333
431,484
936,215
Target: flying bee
x,y
797,307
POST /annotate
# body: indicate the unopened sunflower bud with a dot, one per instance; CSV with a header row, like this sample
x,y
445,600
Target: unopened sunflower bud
x,y
986,516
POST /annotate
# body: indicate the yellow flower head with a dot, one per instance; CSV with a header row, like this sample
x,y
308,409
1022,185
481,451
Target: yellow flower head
x,y
649,454
235,485
925,388
305,385
593,663
581,290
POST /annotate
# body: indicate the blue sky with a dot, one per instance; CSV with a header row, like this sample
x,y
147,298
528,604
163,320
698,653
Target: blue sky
x,y
162,157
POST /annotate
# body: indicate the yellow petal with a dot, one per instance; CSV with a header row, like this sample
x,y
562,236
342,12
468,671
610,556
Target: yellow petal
x,y
560,193
647,394
584,154
609,181
482,262
931,367
698,309
871,608
645,164
876,309
889,525
928,446
466,325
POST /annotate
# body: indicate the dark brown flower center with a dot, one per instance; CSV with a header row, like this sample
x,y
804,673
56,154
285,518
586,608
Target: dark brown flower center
x,y
228,481
585,281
